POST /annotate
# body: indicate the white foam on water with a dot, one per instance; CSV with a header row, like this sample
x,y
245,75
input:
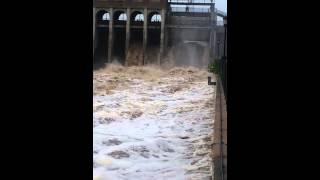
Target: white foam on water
x,y
152,128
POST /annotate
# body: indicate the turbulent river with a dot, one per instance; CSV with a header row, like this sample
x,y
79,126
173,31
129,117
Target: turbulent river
x,y
152,124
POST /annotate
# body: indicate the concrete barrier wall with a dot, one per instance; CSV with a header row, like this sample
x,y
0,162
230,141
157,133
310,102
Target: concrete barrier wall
x,y
189,20
189,34
220,136
181,28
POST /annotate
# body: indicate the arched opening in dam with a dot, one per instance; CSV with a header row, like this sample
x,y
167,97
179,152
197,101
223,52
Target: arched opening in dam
x,y
119,21
135,54
153,38
101,37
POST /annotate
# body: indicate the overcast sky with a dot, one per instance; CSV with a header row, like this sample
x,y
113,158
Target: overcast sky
x,y
221,5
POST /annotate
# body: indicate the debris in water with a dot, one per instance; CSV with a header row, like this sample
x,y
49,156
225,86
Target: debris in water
x,y
105,120
111,142
119,154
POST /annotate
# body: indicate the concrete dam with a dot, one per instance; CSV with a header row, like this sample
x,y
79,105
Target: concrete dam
x,y
140,32
155,115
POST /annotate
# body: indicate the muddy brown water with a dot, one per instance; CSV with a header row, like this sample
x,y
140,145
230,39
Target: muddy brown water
x,y
152,123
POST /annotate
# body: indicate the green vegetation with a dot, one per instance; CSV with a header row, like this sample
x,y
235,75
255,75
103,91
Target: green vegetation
x,y
214,67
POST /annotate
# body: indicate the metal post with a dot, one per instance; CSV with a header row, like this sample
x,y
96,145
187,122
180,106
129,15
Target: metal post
x,y
225,59
224,41
218,53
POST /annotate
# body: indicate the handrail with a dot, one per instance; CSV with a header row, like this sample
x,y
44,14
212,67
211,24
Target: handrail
x,y
221,13
190,9
192,1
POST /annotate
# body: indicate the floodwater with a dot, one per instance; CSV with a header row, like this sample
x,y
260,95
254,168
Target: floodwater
x,y
152,124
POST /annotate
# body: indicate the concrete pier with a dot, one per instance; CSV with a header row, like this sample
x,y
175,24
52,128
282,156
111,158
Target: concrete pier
x,y
110,43
163,21
128,31
145,34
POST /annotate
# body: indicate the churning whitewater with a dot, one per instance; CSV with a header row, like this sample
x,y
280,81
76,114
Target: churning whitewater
x,y
152,124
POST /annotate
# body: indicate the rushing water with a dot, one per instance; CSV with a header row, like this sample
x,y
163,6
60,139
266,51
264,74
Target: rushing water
x,y
152,124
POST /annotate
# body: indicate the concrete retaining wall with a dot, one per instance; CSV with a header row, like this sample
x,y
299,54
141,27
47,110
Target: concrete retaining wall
x,y
220,136
189,34
189,20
